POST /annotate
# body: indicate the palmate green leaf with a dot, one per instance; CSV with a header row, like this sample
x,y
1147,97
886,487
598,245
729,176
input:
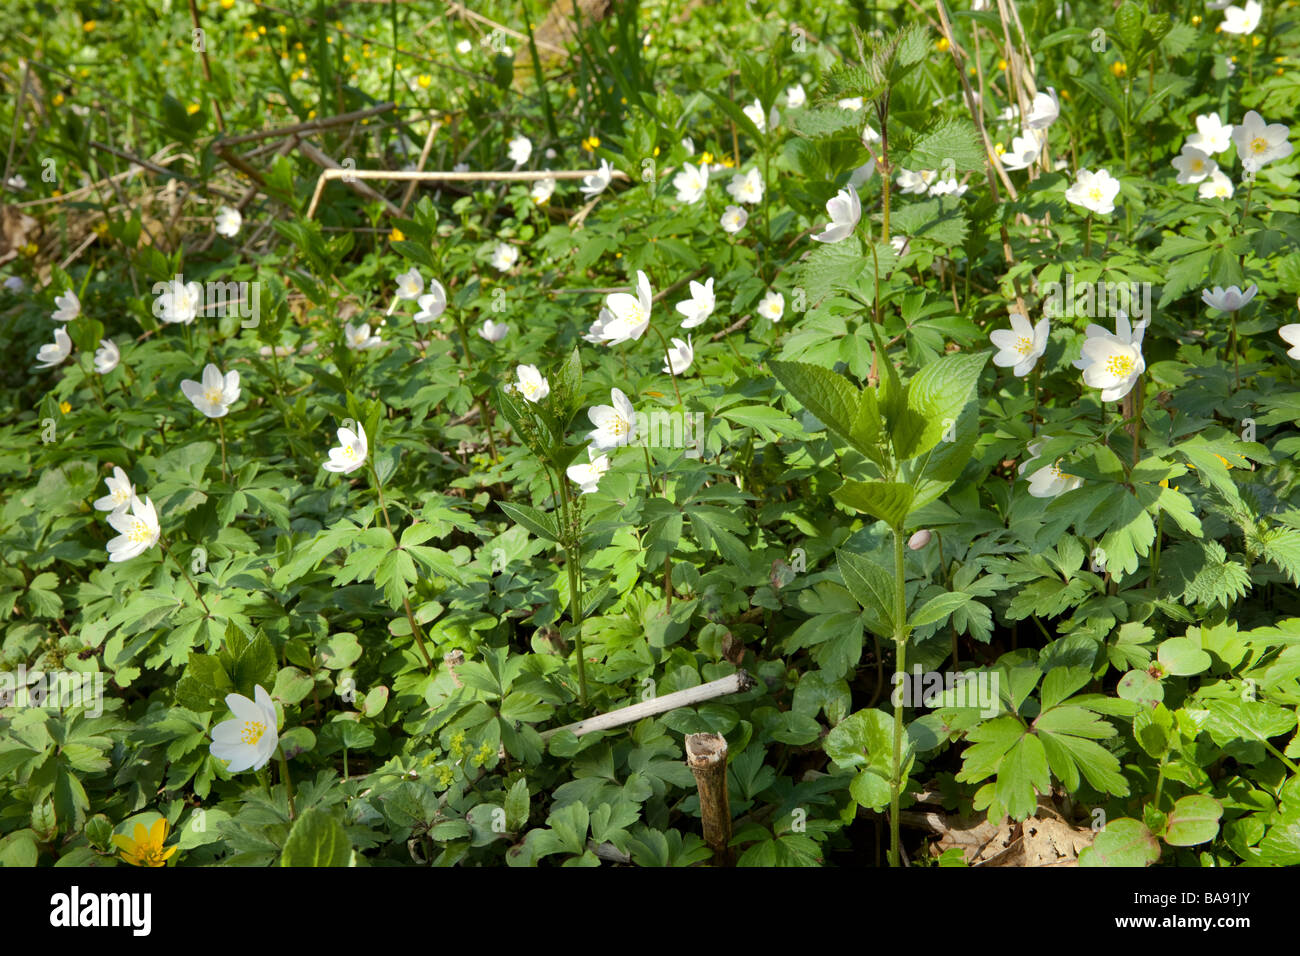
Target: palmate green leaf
x,y
872,587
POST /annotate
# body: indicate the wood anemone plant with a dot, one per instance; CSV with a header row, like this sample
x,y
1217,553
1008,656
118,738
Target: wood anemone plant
x,y
916,438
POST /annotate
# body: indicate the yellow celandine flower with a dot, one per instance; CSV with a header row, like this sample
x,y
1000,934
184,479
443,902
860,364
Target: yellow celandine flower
x,y
1118,68
58,99
89,25
261,31
145,847
706,158
941,44
591,144
65,407
396,235
283,29
656,150
1255,41
424,79
1196,20
193,108
227,4
728,162
302,57
311,114
1002,64
298,45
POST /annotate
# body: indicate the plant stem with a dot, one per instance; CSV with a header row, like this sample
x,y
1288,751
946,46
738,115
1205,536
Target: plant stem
x,y
900,667
163,545
668,361
1087,236
406,602
572,563
221,429
288,781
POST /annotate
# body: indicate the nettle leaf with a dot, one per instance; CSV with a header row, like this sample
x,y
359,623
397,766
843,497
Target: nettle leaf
x,y
832,267
934,400
1201,572
941,219
949,145
831,397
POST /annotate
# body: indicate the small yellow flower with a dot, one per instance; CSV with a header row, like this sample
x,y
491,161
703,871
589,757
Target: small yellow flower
x,y
28,250
396,235
57,192
971,70
591,144
298,45
311,114
65,407
193,108
656,150
347,57
302,57
283,29
101,229
1255,41
618,255
999,148
1002,65
227,4
1119,68
1196,20
728,162
89,26
424,79
58,99
706,158
623,100
261,31
1065,94
941,44
572,91
145,848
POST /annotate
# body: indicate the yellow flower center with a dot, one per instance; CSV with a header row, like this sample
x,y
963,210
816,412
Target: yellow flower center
x,y
1024,344
349,451
1120,365
1259,145
619,427
1057,473
213,396
1094,194
139,532
252,732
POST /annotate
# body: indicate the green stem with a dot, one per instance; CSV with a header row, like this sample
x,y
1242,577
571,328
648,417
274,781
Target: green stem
x,y
406,602
572,563
288,780
221,429
900,667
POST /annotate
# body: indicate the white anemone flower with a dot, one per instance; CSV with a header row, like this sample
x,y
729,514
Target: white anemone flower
x,y
699,306
679,358
1021,346
120,492
248,740
1291,336
625,317
137,527
1230,299
1193,165
464,47
1047,481
1259,142
1095,192
214,395
691,183
1044,110
52,355
733,219
504,257
432,304
772,306
949,187
845,209
1242,20
520,148
596,183
542,190
180,303
854,103
1110,364
1218,186
359,338
914,183
107,356
588,476
228,220
747,188
493,331
755,113
795,96
532,385
615,424
1212,136
1024,152
66,307
351,451
410,284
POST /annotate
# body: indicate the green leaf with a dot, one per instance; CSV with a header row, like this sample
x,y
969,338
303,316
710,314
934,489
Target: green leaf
x,y
938,608
872,587
517,806
828,395
317,839
934,400
1122,842
1194,819
538,522
1182,657
890,501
